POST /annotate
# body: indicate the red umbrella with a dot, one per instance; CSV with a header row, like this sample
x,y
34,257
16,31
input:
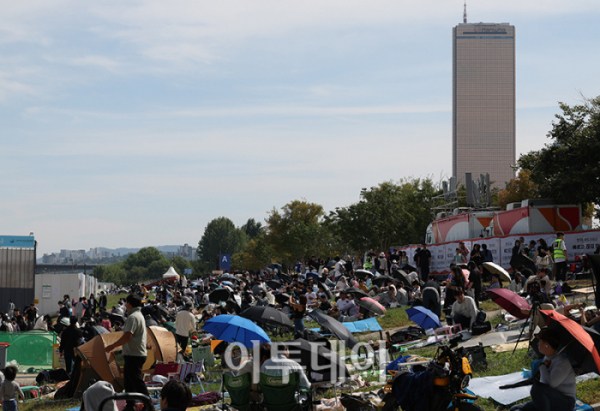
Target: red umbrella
x,y
510,301
578,343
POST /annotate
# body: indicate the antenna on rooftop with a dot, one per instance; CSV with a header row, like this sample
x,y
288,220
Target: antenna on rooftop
x,y
465,13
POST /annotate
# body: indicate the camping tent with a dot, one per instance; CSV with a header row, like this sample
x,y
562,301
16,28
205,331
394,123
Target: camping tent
x,y
171,273
97,364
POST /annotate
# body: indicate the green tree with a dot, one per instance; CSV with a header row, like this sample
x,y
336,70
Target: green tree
x,y
220,237
295,232
252,228
568,169
386,215
518,189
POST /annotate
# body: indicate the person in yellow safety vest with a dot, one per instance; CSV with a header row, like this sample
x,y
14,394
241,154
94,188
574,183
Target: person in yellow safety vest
x,y
559,252
369,263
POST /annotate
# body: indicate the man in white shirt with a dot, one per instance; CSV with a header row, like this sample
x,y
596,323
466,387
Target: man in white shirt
x,y
311,298
341,284
341,305
184,324
464,310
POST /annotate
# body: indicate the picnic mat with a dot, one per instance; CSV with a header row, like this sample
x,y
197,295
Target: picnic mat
x,y
509,347
489,387
495,338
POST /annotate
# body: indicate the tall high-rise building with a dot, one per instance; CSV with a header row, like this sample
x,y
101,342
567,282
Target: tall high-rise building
x,y
483,101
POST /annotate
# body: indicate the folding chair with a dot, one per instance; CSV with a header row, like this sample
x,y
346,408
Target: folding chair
x,y
171,370
282,396
239,389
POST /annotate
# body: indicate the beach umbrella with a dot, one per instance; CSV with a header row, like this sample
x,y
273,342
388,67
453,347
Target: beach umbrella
x,y
371,305
363,274
496,269
236,329
315,357
218,295
511,302
575,341
267,315
423,317
356,292
334,327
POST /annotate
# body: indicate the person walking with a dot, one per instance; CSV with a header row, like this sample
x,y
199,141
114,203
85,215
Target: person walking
x,y
31,315
184,324
134,348
559,251
102,301
11,389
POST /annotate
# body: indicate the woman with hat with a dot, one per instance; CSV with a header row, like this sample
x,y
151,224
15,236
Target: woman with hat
x,y
556,390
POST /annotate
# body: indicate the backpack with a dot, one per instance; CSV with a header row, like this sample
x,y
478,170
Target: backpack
x,y
481,328
477,357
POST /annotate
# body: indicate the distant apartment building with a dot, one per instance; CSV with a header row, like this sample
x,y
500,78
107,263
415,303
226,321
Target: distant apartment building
x,y
75,255
97,253
188,252
483,101
50,259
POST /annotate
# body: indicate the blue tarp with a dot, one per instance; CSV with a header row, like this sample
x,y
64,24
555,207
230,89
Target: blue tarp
x,y
370,324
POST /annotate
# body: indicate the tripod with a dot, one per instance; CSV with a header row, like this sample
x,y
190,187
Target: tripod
x,y
534,310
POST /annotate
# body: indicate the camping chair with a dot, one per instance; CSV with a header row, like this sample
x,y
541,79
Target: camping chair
x,y
171,370
282,396
239,389
203,352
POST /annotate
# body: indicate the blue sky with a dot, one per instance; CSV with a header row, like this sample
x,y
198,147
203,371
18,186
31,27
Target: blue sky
x,y
127,124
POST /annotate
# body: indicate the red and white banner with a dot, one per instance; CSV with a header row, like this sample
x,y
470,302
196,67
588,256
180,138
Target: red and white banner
x,y
577,242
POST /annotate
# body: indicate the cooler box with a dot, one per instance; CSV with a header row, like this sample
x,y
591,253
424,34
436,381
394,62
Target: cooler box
x,y
57,362
3,350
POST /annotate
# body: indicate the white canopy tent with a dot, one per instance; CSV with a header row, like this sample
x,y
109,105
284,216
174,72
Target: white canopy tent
x,y
171,273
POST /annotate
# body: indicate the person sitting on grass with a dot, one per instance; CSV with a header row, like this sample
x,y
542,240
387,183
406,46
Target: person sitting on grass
x,y
175,396
464,310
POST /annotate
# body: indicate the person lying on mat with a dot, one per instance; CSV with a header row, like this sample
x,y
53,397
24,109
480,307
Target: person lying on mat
x,y
556,389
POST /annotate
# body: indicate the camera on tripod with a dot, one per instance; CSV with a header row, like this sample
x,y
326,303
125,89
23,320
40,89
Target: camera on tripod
x,y
534,290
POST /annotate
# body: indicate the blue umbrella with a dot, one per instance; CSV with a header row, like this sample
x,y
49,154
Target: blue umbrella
x,y
423,317
229,283
233,328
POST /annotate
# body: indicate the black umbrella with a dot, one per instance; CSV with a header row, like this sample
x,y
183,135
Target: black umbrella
x,y
330,265
314,276
409,268
335,327
116,318
318,359
327,290
356,291
371,305
100,329
284,277
219,295
275,285
522,260
282,298
232,306
363,274
382,280
267,315
402,276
